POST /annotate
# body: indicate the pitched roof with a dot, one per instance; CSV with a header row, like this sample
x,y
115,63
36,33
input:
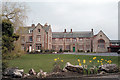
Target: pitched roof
x,y
25,30
46,28
72,35
114,41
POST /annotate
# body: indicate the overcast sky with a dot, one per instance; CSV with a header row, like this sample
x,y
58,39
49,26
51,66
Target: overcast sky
x,y
82,15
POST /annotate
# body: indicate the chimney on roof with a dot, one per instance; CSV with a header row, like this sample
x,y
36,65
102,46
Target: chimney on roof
x,y
92,31
65,30
38,23
33,25
71,30
46,24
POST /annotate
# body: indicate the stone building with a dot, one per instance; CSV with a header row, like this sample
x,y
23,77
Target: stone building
x,y
101,42
72,41
84,41
39,37
36,38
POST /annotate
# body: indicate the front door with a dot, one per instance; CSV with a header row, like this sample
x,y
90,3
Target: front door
x,y
30,48
73,49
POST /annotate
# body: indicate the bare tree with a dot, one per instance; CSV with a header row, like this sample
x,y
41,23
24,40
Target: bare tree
x,y
15,12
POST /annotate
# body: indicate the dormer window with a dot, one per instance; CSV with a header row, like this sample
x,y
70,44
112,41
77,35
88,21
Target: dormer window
x,y
30,31
39,30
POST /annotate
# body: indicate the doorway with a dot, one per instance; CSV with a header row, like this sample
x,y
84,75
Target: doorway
x,y
73,49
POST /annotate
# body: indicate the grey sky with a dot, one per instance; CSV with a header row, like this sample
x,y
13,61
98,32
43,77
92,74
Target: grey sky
x,y
82,15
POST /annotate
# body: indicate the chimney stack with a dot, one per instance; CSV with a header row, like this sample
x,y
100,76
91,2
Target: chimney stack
x,y
92,31
65,30
33,25
71,30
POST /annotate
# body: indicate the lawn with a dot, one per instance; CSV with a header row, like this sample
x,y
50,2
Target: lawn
x,y
46,61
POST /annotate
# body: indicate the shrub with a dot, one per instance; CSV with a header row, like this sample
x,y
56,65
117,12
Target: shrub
x,y
60,50
80,50
4,64
66,50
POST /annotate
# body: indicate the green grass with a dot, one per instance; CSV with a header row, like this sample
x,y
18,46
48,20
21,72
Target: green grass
x,y
46,61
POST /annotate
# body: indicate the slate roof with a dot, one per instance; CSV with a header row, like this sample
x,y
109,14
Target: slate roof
x,y
115,41
25,30
46,28
72,35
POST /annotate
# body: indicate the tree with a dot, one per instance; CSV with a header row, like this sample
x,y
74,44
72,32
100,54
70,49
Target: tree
x,y
13,16
14,12
8,37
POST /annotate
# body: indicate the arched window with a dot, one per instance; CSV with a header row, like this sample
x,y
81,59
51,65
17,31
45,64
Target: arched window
x,y
101,43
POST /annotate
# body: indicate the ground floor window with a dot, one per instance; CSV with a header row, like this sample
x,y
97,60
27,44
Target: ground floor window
x,y
53,47
80,47
87,46
38,46
60,47
101,43
67,47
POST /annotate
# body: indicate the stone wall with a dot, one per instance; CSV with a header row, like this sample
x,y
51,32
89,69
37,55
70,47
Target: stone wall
x,y
100,36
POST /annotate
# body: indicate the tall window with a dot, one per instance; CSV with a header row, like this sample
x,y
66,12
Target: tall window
x,y
38,46
38,30
101,43
30,38
38,38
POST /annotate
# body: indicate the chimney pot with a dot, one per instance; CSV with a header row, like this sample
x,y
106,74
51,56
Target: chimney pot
x,y
33,25
65,30
92,30
71,30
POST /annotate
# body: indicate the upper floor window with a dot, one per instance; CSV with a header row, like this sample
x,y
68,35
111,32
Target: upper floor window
x,y
53,40
80,39
38,38
100,35
60,39
30,38
50,39
68,39
39,30
74,40
30,31
101,43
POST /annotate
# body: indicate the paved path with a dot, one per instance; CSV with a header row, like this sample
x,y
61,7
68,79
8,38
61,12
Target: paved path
x,y
96,54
